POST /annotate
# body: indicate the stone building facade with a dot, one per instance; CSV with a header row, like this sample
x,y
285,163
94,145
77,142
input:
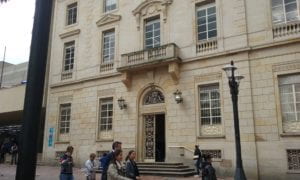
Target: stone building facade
x,y
145,50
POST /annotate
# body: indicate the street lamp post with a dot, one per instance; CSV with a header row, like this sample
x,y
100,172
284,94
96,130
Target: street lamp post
x,y
234,82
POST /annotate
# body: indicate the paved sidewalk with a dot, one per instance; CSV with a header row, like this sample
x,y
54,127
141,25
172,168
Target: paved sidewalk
x,y
7,172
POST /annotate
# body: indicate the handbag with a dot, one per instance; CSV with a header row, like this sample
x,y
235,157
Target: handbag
x,y
195,157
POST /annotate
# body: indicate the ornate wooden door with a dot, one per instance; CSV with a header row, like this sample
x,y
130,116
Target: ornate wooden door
x,y
149,138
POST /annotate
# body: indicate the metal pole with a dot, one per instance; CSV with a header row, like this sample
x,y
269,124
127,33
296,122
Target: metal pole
x,y
2,68
234,90
34,91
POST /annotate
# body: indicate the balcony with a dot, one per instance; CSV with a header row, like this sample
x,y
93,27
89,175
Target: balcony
x,y
283,30
150,58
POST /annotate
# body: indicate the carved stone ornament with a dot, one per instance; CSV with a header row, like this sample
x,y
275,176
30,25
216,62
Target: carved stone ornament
x,y
149,7
108,18
154,97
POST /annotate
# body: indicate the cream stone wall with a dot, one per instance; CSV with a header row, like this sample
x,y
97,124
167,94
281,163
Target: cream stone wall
x,y
12,99
245,36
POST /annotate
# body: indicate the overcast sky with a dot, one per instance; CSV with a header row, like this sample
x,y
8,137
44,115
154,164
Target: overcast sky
x,y
16,19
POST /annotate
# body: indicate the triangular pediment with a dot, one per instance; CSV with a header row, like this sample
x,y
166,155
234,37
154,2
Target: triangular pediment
x,y
107,19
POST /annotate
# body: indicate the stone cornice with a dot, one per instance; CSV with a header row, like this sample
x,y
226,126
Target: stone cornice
x,y
70,33
107,19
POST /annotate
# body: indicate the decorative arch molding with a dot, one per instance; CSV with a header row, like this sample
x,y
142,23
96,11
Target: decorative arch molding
x,y
153,96
151,7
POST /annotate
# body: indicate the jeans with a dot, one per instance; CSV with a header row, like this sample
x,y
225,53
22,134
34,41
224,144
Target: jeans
x,y
66,177
104,175
198,165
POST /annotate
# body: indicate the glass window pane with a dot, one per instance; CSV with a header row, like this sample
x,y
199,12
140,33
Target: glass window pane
x,y
212,33
211,10
276,2
292,16
201,13
202,28
212,26
205,121
212,18
157,25
202,20
290,7
202,36
289,1
149,34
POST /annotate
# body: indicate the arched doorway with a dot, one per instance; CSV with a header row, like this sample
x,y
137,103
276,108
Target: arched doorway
x,y
152,117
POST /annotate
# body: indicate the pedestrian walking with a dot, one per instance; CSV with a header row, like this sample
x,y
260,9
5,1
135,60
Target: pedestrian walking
x,y
14,153
107,159
198,159
116,170
102,161
132,170
66,164
208,171
90,168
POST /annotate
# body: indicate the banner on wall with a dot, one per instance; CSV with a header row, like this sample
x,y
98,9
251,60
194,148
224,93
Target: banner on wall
x,y
50,138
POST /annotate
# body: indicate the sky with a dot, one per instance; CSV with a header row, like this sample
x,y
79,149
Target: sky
x,y
16,20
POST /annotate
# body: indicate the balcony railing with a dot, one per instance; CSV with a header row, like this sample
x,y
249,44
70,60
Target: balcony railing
x,y
106,67
286,29
168,52
207,46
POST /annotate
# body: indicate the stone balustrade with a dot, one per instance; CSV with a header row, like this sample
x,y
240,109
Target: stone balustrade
x,y
286,29
106,67
149,56
207,46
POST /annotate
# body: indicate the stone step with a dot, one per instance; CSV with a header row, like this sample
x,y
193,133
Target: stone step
x,y
141,169
159,163
162,166
168,174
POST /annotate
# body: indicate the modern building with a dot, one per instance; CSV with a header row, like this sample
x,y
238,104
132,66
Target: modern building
x,y
12,93
116,64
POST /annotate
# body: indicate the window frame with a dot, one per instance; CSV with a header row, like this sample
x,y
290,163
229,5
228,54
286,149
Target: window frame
x,y
152,20
284,13
106,124
109,48
201,7
105,10
71,64
68,8
64,107
280,113
210,104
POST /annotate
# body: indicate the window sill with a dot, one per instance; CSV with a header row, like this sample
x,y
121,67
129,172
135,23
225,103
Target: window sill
x,y
104,140
62,142
110,12
290,134
212,137
71,25
293,172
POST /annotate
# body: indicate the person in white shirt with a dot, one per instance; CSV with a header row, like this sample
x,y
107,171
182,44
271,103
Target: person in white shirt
x,y
90,167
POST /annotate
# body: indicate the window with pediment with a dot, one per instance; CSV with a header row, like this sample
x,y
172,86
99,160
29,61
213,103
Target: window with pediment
x,y
154,97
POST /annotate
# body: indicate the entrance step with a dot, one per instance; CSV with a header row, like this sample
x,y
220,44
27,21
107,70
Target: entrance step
x,y
165,169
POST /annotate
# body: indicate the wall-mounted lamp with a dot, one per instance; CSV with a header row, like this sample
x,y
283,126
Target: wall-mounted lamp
x,y
178,97
122,103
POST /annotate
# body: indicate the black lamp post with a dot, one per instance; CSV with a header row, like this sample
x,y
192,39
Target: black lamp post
x,y
234,82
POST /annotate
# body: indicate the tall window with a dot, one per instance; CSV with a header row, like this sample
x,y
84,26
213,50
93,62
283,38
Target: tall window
x,y
284,11
152,33
289,87
207,22
106,114
110,5
72,13
64,117
210,105
108,46
69,54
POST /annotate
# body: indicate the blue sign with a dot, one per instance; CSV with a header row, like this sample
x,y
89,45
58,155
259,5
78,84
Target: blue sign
x,y
50,138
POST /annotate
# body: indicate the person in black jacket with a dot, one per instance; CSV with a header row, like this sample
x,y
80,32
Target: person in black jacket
x,y
198,158
108,158
208,171
132,170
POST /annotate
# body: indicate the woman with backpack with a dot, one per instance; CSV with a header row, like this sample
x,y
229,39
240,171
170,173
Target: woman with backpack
x,y
208,171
